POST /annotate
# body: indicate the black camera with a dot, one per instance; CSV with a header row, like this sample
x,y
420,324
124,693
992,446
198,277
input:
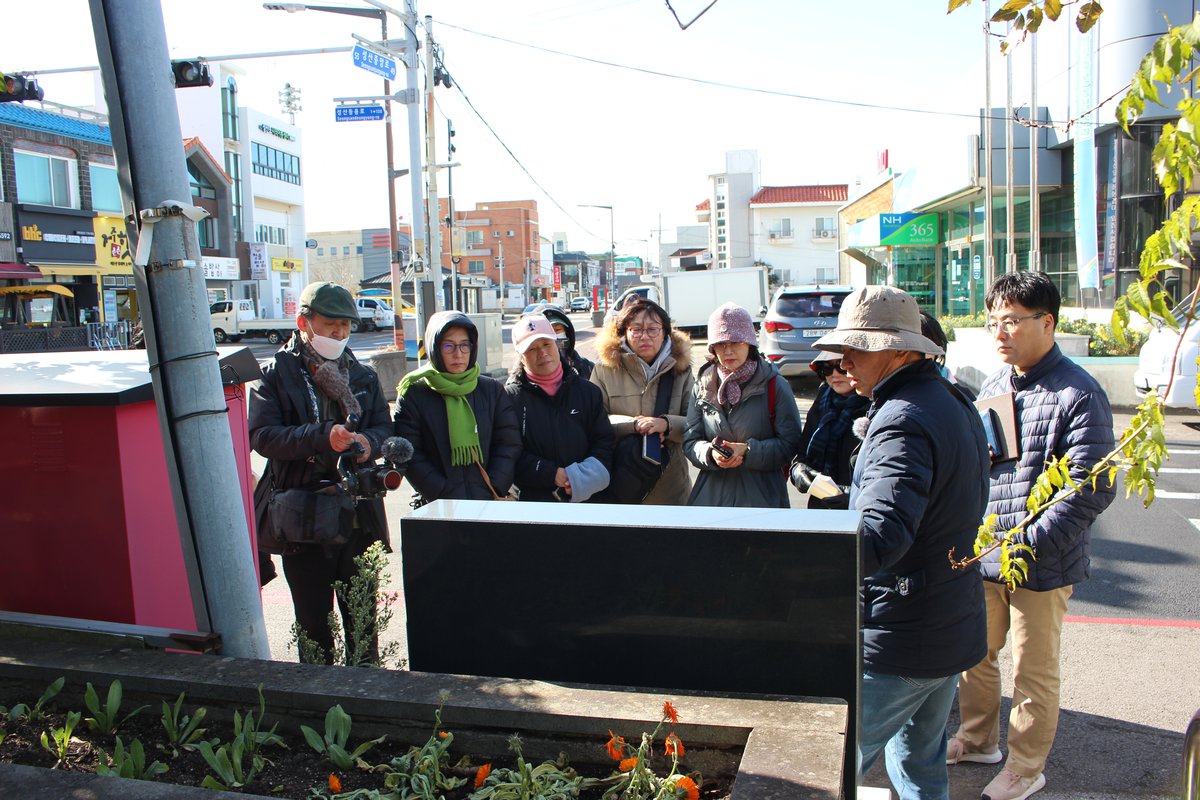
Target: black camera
x,y
373,480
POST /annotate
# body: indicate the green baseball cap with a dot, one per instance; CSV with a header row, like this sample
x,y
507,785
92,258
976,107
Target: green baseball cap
x,y
329,300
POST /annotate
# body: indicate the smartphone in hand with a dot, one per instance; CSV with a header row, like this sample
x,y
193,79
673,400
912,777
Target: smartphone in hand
x,y
652,448
718,444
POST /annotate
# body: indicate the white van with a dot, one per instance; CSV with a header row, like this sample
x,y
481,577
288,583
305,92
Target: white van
x,y
1158,354
373,313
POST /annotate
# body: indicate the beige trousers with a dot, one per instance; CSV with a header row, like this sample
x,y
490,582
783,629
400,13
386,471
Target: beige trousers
x,y
1035,620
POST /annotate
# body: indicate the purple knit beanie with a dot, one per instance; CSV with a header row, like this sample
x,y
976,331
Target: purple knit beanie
x,y
731,323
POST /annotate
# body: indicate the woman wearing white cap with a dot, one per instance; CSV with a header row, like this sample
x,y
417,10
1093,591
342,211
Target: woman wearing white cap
x,y
565,431
743,427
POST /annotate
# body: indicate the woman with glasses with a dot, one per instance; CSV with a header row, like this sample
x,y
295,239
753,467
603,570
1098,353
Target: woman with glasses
x,y
637,351
743,427
460,423
828,441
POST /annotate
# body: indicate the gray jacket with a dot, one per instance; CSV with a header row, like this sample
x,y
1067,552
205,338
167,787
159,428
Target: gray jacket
x,y
760,482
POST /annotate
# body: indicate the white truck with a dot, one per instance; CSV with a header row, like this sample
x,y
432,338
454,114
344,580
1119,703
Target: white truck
x,y
690,297
233,319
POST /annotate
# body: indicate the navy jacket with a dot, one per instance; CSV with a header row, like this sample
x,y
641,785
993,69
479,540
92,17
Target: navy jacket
x,y
1061,410
920,483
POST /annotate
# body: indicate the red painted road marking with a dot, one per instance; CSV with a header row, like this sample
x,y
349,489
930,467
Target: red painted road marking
x,y
1145,623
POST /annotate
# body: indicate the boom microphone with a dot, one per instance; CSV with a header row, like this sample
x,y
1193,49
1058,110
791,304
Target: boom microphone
x,y
335,384
396,450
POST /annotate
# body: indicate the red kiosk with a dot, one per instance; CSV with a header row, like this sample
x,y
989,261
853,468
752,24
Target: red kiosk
x,y
87,524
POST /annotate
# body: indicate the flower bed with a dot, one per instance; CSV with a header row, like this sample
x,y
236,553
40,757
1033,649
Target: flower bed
x,y
734,748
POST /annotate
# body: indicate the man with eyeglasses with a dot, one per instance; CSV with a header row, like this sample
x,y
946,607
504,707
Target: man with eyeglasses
x,y
1060,411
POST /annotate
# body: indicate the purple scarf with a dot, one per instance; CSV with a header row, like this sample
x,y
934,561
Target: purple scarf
x,y
730,390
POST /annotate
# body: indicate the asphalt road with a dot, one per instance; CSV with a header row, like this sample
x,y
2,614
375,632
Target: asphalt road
x,y
1131,642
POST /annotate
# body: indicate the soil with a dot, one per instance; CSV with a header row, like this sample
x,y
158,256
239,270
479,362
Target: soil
x,y
294,771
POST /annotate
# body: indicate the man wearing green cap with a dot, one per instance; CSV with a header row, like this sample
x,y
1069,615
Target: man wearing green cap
x,y
300,421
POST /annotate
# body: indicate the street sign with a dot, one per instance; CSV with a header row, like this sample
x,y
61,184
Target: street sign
x,y
976,267
378,63
357,113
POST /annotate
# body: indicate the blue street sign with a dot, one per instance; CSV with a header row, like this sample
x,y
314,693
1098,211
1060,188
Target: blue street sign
x,y
374,62
976,267
357,113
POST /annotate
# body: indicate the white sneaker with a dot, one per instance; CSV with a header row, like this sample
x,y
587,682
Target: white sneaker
x,y
957,750
1008,785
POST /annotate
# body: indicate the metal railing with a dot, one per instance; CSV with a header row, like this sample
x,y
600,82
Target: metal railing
x,y
109,335
40,340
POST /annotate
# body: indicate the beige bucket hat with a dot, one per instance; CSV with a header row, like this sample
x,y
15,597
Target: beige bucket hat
x,y
878,318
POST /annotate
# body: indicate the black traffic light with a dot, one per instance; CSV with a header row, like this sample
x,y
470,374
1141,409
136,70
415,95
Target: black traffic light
x,y
450,148
191,73
18,89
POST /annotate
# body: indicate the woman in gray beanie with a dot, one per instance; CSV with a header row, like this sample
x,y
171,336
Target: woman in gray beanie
x,y
743,427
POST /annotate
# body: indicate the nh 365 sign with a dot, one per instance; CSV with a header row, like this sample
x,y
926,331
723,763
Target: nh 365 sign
x,y
357,113
908,229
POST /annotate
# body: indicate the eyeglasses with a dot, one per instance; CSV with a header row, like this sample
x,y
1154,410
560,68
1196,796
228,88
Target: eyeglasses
x,y
826,368
652,331
448,348
1009,324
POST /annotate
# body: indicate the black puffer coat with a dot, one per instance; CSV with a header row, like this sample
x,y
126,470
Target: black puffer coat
x,y
1061,410
920,483
568,428
287,429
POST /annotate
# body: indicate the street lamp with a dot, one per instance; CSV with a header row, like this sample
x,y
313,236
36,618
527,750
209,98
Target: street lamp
x,y
393,232
612,253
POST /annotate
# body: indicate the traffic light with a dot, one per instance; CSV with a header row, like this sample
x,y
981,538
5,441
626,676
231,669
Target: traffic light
x,y
450,148
191,73
18,89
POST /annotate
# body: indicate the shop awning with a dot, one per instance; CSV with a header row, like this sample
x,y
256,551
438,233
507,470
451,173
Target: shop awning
x,y
42,289
11,271
859,255
71,269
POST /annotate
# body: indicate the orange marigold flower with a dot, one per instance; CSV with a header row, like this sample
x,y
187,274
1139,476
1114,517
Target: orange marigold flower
x,y
615,746
674,746
335,783
689,786
481,774
627,764
669,712
442,734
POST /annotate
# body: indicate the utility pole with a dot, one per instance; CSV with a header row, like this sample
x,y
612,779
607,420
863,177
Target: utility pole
x,y
1010,239
193,417
989,266
501,280
455,259
1035,200
431,175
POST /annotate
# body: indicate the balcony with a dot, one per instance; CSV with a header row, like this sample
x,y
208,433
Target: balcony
x,y
779,236
824,235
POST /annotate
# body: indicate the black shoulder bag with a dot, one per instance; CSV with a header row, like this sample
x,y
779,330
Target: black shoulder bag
x,y
631,477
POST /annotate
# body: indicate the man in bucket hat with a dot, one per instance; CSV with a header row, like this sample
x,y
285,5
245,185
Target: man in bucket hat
x,y
920,483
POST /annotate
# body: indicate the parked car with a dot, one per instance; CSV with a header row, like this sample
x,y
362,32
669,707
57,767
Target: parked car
x,y
581,304
372,313
1155,360
532,307
797,317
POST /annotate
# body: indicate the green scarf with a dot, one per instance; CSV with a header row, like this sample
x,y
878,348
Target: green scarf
x,y
464,432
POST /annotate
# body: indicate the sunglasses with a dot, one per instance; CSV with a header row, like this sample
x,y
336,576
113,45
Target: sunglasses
x,y
826,368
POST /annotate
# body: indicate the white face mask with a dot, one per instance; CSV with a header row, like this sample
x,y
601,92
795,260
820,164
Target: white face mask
x,y
327,347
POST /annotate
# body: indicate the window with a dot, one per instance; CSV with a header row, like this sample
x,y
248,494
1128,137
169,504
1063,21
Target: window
x,y
346,250
206,233
274,163
781,229
475,266
358,250
45,180
495,234
233,168
201,186
509,234
271,234
320,251
106,192
229,113
474,238
826,228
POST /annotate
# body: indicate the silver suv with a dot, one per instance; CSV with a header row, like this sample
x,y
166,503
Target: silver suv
x,y
798,316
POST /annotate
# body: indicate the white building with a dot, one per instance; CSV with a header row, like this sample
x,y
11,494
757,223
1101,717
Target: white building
x,y
795,231
728,210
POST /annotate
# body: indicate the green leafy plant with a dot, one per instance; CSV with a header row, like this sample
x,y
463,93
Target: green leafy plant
x,y
1103,341
963,321
333,745
240,760
370,613
183,731
35,712
129,763
107,718
57,742
635,779
424,773
550,780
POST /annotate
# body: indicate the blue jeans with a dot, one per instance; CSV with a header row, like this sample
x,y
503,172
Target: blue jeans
x,y
906,719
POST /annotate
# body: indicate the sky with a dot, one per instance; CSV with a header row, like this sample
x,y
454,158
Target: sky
x,y
641,132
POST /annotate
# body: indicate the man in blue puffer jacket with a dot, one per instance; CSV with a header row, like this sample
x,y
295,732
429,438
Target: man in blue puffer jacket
x,y
1060,411
920,483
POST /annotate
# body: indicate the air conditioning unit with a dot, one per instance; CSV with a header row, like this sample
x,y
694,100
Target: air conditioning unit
x,y
772,236
826,234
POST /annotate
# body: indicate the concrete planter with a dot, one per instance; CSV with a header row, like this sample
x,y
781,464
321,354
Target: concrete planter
x,y
391,366
777,748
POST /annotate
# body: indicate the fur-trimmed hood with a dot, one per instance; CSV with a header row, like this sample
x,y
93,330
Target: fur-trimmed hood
x,y
609,352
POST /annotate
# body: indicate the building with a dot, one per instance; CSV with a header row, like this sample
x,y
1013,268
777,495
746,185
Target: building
x,y
352,257
498,241
727,210
794,231
685,237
